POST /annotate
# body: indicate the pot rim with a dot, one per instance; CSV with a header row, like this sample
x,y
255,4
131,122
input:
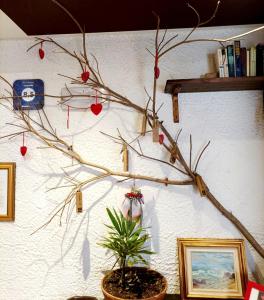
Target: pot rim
x,y
117,298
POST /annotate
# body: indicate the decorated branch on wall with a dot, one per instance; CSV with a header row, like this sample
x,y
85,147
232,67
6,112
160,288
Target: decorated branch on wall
x,y
40,126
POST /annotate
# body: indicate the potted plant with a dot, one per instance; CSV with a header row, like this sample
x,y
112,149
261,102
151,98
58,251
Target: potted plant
x,y
127,239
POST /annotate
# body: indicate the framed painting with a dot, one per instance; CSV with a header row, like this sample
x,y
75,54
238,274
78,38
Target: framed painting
x,y
254,291
7,191
212,268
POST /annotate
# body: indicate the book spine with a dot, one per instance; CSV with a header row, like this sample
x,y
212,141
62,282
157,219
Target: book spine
x,y
230,60
219,61
259,59
248,62
243,52
224,61
238,71
253,61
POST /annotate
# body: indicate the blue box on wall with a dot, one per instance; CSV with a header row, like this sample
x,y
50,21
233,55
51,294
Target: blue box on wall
x,y
28,94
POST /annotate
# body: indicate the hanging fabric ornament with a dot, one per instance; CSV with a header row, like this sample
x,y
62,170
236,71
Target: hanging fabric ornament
x,y
156,68
41,52
96,107
131,207
23,149
85,75
161,138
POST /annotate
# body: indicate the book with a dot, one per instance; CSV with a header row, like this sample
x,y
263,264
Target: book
x,y
224,61
243,53
252,61
248,60
230,60
219,62
260,60
237,56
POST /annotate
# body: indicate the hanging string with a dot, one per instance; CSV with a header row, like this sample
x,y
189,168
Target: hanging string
x,y
96,97
68,116
23,139
156,68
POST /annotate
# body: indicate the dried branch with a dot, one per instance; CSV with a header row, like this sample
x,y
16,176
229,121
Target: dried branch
x,y
45,132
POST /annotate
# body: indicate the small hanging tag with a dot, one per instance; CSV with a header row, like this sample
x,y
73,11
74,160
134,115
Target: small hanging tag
x,y
173,156
144,125
79,207
155,131
200,185
125,158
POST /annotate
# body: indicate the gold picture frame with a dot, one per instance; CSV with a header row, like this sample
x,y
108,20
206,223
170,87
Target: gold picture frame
x,y
212,268
7,191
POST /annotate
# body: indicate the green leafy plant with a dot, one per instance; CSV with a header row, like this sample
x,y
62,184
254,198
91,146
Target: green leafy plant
x,y
126,239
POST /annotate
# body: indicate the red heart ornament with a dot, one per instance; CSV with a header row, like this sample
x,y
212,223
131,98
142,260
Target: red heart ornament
x,y
85,76
96,108
41,53
156,72
161,138
23,150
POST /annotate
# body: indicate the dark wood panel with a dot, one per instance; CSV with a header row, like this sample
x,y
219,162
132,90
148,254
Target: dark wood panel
x,y
215,84
44,17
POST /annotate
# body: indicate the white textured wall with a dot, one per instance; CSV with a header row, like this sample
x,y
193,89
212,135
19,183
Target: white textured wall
x,y
58,262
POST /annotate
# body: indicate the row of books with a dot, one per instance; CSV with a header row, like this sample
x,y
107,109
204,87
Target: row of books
x,y
236,61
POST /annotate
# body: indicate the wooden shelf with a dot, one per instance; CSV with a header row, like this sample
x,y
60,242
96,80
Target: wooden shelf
x,y
174,87
214,84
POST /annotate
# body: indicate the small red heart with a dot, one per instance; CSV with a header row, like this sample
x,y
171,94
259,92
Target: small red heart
x,y
85,76
156,72
23,150
96,108
41,53
161,138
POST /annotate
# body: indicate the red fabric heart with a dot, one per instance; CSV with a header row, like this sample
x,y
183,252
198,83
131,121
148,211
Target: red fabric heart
x,y
23,150
161,138
96,108
156,72
41,53
85,76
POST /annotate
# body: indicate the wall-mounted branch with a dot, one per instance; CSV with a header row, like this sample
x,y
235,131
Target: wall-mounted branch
x,y
44,131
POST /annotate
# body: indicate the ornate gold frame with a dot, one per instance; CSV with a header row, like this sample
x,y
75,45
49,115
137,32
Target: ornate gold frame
x,y
237,244
11,168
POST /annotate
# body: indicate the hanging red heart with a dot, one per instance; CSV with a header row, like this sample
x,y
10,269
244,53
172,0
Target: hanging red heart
x,y
23,150
41,53
156,72
85,76
96,108
161,138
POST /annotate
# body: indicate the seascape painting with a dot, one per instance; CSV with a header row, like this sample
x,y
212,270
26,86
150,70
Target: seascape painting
x,y
213,270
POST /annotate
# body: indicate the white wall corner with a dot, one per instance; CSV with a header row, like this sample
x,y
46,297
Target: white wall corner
x,y
9,29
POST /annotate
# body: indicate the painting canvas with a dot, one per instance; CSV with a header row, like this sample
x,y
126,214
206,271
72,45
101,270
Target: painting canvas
x,y
3,191
212,270
7,191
